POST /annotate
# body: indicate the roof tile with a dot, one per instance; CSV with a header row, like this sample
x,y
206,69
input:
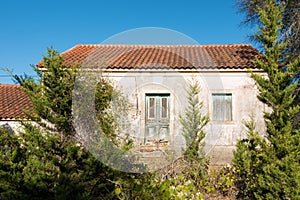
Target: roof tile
x,y
113,56
13,101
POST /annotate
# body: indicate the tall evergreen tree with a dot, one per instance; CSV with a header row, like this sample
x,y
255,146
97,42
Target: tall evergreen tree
x,y
45,160
277,172
193,123
290,17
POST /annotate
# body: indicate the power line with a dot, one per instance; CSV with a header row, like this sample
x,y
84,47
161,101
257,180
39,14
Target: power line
x,y
2,75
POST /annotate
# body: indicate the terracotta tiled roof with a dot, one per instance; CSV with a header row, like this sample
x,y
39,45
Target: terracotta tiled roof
x,y
13,101
183,57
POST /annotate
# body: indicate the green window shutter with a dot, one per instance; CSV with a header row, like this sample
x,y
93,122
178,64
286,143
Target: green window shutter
x,y
157,117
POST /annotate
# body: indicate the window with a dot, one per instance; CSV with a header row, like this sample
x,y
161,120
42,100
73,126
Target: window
x,y
222,107
157,117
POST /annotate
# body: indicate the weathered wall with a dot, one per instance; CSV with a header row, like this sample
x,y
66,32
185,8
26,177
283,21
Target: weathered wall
x,y
14,125
221,137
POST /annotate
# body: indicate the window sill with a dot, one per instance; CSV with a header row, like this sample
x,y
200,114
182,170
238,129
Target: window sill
x,y
153,146
224,122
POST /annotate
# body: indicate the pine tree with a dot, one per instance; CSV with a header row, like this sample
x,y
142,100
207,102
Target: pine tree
x,y
278,174
45,160
12,161
193,123
248,161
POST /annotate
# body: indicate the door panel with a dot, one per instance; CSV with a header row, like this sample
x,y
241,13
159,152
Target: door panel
x,y
157,117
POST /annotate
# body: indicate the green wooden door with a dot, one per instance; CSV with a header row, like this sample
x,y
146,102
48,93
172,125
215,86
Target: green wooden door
x,y
157,117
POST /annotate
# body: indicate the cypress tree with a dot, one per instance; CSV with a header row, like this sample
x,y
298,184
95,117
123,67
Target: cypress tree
x,y
276,161
193,123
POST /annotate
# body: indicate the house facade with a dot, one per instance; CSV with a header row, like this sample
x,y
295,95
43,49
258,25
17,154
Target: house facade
x,y
154,80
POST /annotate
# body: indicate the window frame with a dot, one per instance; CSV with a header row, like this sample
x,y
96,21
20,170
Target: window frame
x,y
224,118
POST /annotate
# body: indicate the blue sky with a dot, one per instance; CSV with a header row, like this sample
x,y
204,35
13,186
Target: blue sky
x,y
29,27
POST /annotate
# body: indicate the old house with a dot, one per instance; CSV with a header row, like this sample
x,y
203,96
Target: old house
x,y
154,79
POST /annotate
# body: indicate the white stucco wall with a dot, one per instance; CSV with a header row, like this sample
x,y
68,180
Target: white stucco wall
x,y
220,136
15,125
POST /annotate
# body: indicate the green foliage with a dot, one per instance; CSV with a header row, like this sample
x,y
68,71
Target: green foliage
x,y
181,180
161,185
270,169
221,182
103,97
45,160
193,123
11,165
111,109
289,31
187,177
248,160
52,94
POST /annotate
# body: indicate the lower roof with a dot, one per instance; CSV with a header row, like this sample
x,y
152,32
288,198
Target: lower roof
x,y
13,101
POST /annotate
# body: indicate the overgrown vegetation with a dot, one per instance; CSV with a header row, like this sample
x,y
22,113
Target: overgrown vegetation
x,y
187,177
46,160
268,167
